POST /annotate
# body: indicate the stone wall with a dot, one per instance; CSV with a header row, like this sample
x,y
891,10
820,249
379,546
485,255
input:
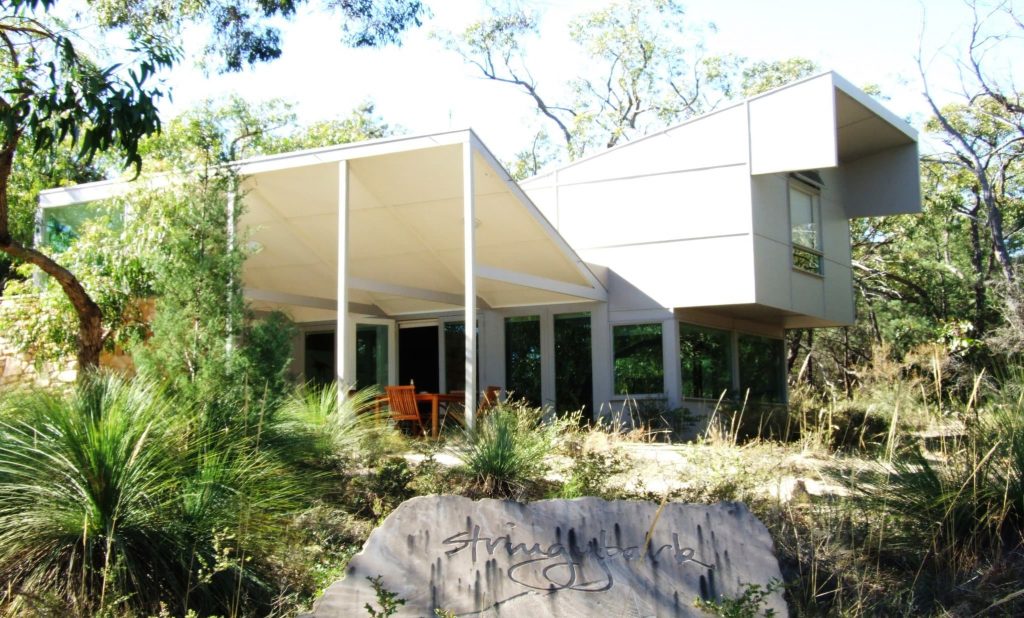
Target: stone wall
x,y
19,368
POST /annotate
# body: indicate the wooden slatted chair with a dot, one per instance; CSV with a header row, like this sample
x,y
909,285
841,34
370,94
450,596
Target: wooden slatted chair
x,y
488,400
403,407
491,398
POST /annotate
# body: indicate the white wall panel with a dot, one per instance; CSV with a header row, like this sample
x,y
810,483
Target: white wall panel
x,y
839,305
713,271
710,141
808,293
771,206
794,128
711,202
773,269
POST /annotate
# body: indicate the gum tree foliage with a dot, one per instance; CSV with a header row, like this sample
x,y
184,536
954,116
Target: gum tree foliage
x,y
169,247
52,94
647,68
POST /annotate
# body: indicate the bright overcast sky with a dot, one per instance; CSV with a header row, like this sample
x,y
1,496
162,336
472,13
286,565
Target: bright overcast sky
x,y
424,88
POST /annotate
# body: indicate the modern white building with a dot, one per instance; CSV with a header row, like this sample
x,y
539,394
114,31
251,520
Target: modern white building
x,y
666,268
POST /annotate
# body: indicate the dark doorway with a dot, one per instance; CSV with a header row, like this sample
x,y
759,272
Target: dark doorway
x,y
417,357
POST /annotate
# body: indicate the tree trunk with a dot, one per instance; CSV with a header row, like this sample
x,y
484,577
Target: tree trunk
x,y
90,318
978,264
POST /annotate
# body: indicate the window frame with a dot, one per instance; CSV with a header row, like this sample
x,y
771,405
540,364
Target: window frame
x,y
801,252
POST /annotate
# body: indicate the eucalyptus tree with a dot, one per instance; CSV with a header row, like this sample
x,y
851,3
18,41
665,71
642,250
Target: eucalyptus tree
x,y
647,68
52,93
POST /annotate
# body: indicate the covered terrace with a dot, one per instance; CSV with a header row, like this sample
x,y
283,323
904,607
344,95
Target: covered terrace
x,y
400,229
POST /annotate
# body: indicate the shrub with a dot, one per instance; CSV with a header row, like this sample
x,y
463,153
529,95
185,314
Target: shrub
x,y
115,498
506,450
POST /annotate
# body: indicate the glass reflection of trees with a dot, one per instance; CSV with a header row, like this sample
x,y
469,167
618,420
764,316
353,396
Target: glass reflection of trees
x,y
706,362
638,360
762,368
522,358
574,376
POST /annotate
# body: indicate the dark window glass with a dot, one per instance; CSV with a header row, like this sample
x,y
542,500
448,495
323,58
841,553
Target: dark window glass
x,y
762,368
371,355
705,359
454,356
574,377
638,361
319,363
522,358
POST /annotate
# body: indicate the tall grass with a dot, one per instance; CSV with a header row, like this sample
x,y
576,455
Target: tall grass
x,y
507,449
116,498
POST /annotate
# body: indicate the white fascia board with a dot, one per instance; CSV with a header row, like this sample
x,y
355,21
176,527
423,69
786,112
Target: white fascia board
x,y
355,150
100,190
538,216
541,283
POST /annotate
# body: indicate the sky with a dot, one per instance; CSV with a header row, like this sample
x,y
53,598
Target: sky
x,y
424,88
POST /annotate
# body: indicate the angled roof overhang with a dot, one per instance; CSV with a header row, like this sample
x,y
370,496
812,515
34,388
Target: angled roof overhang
x,y
824,121
404,198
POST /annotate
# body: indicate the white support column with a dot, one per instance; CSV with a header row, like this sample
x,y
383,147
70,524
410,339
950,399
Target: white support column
x,y
343,373
469,246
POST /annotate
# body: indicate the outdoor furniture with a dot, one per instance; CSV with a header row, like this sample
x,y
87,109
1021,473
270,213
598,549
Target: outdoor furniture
x,y
404,407
489,399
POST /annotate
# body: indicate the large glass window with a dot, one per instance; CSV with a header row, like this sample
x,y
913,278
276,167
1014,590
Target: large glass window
x,y
371,355
574,377
762,368
706,361
805,222
522,358
454,356
62,225
638,360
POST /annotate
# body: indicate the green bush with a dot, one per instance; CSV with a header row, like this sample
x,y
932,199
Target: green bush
x,y
505,452
115,498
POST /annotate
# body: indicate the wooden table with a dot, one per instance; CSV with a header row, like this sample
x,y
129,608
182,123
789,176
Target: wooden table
x,y
435,400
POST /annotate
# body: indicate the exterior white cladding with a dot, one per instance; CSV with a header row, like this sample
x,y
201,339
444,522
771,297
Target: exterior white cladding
x,y
698,216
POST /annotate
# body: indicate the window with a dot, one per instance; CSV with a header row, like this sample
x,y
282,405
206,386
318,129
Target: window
x,y
455,356
574,378
522,358
706,362
805,227
762,368
371,355
638,359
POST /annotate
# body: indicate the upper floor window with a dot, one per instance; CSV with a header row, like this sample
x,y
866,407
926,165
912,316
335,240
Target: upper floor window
x,y
805,226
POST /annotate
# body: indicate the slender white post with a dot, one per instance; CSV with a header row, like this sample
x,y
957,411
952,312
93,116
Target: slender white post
x,y
469,244
341,334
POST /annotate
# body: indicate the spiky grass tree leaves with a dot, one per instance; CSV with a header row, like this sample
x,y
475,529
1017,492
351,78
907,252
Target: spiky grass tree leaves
x,y
115,497
87,486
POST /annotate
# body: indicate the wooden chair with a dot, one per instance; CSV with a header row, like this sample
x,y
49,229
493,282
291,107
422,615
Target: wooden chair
x,y
489,399
403,407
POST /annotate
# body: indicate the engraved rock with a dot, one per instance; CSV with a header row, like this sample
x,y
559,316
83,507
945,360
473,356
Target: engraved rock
x,y
584,557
